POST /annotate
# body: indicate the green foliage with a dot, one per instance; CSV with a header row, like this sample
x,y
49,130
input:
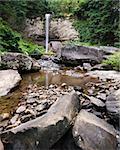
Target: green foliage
x,y
30,48
16,11
63,8
83,29
113,61
98,21
11,41
8,38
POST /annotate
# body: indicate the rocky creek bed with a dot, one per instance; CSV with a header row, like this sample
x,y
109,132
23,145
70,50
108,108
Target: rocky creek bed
x,y
62,109
94,97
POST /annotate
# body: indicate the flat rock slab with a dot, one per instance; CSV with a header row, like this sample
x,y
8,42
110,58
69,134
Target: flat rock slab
x,y
76,55
93,133
8,80
113,105
43,132
103,74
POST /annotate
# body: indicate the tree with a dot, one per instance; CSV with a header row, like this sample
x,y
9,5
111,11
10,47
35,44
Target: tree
x,y
101,21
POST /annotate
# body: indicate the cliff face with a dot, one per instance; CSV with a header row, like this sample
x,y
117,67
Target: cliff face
x,y
59,29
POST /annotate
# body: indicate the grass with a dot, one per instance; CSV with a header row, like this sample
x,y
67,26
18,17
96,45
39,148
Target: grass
x,y
113,61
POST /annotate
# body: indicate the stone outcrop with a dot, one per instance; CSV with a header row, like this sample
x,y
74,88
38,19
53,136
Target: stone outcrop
x,y
63,30
43,132
8,80
18,61
93,133
59,29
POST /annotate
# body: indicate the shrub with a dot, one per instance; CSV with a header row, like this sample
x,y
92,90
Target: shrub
x,y
8,38
98,21
30,48
12,41
113,61
15,12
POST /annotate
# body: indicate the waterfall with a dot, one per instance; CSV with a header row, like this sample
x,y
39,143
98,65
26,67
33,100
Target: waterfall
x,y
47,17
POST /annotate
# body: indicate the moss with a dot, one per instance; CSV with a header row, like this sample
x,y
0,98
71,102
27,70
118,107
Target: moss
x,y
113,61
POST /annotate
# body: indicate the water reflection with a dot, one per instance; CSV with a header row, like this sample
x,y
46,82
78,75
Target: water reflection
x,y
43,78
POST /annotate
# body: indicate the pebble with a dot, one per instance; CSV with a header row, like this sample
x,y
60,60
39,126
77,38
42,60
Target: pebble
x,y
30,111
31,100
25,118
14,119
20,109
40,107
63,85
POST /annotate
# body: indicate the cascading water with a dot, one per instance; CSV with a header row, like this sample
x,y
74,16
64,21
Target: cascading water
x,y
47,17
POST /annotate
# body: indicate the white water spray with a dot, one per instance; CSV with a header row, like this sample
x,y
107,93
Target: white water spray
x,y
47,17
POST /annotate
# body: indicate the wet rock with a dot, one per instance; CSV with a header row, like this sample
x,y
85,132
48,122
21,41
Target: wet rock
x,y
45,131
21,109
14,119
41,107
18,122
113,105
99,67
18,61
25,118
31,100
49,64
102,96
79,68
93,133
9,79
90,91
87,66
78,88
30,111
97,113
86,104
97,102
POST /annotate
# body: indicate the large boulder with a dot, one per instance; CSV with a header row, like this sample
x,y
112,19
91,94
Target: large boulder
x,y
93,133
77,55
8,80
41,133
18,61
113,105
